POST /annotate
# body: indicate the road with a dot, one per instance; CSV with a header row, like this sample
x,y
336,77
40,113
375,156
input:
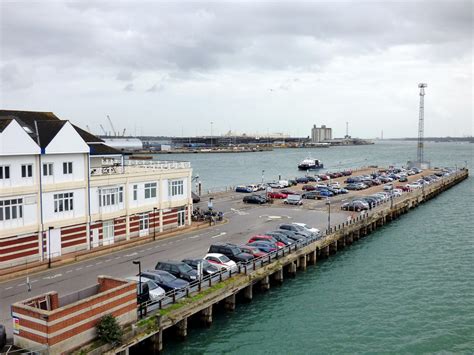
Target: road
x,y
243,222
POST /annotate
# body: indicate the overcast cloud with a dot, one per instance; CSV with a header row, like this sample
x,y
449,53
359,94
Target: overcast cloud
x,y
171,69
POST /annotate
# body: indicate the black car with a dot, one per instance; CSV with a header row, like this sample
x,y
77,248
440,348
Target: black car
x,y
3,336
295,236
232,251
302,180
207,267
257,199
177,268
165,280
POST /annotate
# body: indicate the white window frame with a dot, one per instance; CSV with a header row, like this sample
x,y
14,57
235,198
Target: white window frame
x,y
63,202
181,217
150,190
176,187
26,171
111,196
108,232
48,169
144,224
4,172
67,167
9,208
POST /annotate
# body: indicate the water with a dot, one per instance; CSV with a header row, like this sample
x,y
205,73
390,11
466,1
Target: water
x,y
407,288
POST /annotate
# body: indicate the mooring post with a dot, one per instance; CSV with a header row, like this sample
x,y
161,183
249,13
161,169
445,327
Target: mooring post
x,y
157,338
333,247
206,316
248,292
341,242
278,276
230,302
325,252
182,328
265,283
292,269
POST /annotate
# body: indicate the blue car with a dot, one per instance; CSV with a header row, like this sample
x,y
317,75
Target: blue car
x,y
165,280
243,189
326,193
302,180
266,247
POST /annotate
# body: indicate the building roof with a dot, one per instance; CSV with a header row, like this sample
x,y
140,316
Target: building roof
x,y
4,123
47,130
27,120
102,149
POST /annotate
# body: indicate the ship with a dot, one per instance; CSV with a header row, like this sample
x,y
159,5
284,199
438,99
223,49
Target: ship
x,y
310,164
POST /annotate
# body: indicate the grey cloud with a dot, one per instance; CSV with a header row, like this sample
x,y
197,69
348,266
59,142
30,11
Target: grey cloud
x,y
125,75
155,88
129,87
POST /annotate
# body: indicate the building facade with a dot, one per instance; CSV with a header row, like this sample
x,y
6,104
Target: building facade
x,y
63,190
321,134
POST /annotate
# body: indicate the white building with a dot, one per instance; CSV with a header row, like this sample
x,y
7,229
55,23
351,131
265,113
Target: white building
x,y
62,190
321,134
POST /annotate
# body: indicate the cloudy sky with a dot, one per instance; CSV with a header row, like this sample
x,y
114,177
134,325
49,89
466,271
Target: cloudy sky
x,y
172,68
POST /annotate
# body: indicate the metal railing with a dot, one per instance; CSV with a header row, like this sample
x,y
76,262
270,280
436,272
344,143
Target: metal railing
x,y
114,167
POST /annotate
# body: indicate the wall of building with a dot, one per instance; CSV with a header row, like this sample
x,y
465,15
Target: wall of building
x,y
78,170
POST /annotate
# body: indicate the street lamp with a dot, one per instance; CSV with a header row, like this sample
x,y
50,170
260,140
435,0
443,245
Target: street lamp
x,y
154,222
263,175
328,203
139,263
49,247
211,132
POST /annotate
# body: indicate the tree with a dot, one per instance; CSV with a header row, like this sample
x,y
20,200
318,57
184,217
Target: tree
x,y
108,330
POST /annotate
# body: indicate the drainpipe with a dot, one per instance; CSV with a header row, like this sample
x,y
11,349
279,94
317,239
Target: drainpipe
x,y
40,180
88,224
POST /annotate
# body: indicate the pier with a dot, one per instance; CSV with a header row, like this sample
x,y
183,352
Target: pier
x,y
228,288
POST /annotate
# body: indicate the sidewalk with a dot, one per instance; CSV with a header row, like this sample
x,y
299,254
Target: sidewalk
x,y
35,267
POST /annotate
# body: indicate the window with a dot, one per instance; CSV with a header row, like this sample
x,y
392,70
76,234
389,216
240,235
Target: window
x,y
181,217
111,196
67,167
144,223
11,209
48,169
63,202
27,170
150,190
135,192
176,187
4,172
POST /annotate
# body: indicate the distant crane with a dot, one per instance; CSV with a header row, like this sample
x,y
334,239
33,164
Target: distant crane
x,y
421,124
112,126
123,133
103,129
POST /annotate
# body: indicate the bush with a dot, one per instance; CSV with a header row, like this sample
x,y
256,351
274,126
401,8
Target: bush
x,y
108,330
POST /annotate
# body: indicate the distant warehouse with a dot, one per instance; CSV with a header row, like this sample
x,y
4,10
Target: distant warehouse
x,y
124,144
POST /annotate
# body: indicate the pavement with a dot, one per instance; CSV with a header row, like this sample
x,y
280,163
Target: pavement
x,y
243,222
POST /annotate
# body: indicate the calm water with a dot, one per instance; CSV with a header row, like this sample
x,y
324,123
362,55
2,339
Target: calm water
x,y
407,288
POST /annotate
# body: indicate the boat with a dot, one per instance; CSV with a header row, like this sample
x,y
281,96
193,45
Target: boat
x,y
310,164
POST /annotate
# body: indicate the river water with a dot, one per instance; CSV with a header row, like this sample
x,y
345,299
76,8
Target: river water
x,y
407,288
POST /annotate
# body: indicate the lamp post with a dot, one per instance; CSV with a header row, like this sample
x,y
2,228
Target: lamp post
x,y
211,132
49,247
328,203
154,222
263,175
139,263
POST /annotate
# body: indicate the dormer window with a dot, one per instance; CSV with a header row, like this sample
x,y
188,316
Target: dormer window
x,y
27,170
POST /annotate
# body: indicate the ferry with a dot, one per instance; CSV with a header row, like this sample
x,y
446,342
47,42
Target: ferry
x,y
310,164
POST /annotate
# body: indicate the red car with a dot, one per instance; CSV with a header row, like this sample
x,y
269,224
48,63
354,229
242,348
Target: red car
x,y
324,177
288,192
403,187
266,238
252,251
277,195
309,187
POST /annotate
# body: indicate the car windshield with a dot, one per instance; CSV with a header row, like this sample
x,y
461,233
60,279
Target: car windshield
x,y
151,285
184,268
235,250
224,259
167,277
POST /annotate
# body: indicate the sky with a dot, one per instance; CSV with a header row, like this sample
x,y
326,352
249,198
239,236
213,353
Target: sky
x,y
199,68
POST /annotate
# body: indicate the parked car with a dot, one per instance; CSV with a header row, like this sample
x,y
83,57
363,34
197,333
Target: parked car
x,y
289,192
312,195
177,268
275,185
355,205
308,228
308,188
231,251
403,179
277,195
165,280
257,253
280,238
221,261
388,187
3,336
293,200
156,292
195,197
297,229
266,238
403,187
263,246
207,267
256,199
242,188
302,180
295,236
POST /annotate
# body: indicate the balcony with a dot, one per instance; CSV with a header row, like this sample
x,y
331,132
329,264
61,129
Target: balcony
x,y
114,166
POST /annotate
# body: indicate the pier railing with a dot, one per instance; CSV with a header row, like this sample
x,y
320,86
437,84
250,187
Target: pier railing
x,y
324,238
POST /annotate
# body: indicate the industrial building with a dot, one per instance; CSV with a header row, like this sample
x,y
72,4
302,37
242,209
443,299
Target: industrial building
x,y
321,134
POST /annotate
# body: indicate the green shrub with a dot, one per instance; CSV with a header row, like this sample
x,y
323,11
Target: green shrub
x,y
108,330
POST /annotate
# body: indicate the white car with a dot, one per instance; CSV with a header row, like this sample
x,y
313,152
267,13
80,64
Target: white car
x,y
156,292
414,186
221,261
397,192
308,228
284,183
388,187
335,184
254,188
